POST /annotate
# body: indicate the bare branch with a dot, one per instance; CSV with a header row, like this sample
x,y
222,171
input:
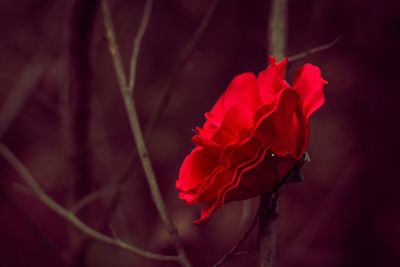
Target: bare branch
x,y
5,196
113,46
137,42
139,139
264,210
246,212
314,50
165,92
107,191
234,249
278,28
69,216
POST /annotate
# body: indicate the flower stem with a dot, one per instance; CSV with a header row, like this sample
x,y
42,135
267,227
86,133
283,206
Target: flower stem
x,y
269,219
268,231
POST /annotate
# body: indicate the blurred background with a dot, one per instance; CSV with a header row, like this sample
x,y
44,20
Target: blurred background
x,y
62,114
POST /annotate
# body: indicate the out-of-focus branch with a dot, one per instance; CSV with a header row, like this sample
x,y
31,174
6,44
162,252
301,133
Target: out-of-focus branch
x,y
27,82
69,216
77,112
277,30
334,199
80,23
137,42
6,197
126,93
108,191
113,46
234,249
165,92
314,50
183,58
266,210
246,212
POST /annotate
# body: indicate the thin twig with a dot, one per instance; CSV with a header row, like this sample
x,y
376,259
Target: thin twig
x,y
138,137
107,191
113,46
137,42
185,55
69,216
333,200
246,212
31,226
272,198
314,50
233,250
165,92
183,58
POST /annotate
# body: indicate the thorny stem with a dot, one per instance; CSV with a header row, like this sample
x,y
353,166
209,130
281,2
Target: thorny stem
x,y
69,216
142,151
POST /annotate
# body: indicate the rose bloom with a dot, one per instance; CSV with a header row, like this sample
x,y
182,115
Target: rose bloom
x,y
252,137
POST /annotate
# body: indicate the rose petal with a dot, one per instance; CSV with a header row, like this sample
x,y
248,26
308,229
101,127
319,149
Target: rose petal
x,y
262,178
204,139
235,120
227,186
283,130
243,86
270,81
196,167
309,83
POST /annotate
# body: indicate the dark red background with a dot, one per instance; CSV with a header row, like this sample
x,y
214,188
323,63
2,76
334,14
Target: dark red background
x,y
346,213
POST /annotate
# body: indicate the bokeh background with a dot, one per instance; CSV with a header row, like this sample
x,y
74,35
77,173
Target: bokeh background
x,y
71,130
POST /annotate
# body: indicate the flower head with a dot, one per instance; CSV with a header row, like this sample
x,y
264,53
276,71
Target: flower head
x,y
252,136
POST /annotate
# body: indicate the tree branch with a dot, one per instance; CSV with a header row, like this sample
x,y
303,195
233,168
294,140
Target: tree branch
x,y
165,93
265,209
278,29
69,216
113,46
234,249
126,93
107,191
6,196
137,42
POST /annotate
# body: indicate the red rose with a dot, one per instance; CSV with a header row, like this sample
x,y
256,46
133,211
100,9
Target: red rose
x,y
251,138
